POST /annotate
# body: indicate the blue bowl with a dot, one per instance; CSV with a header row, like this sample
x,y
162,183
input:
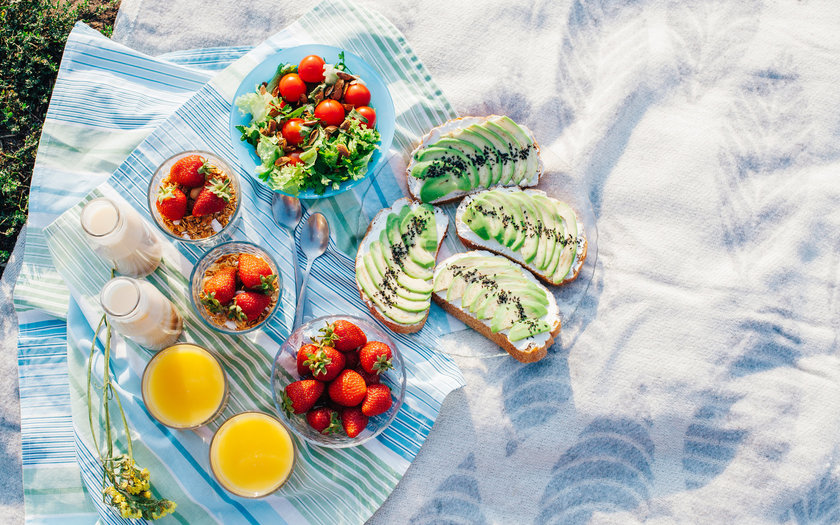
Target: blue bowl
x,y
380,100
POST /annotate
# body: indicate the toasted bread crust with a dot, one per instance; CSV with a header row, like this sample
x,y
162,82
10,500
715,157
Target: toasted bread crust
x,y
374,311
529,355
458,195
575,267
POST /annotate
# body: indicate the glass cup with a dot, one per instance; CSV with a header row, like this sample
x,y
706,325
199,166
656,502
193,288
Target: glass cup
x,y
224,232
120,235
252,454
184,386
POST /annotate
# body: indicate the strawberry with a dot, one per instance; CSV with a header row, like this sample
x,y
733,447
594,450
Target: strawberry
x,y
343,335
377,400
302,355
213,197
219,289
353,421
348,389
171,202
370,378
375,357
300,396
352,359
190,171
323,420
255,273
325,363
248,305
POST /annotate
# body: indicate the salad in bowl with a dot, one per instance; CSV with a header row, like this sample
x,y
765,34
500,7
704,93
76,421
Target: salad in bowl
x,y
312,125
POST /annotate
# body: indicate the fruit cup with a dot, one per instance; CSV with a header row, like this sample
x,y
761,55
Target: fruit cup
x,y
208,228
226,254
285,372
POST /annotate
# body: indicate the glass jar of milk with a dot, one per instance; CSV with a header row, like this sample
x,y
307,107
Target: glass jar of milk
x,y
140,312
120,235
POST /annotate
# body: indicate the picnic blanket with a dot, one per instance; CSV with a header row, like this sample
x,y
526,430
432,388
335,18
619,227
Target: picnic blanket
x,y
700,381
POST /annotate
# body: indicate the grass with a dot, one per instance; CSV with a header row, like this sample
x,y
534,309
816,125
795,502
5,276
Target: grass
x,y
32,38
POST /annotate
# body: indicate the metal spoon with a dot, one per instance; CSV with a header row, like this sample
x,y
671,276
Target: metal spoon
x,y
287,212
313,241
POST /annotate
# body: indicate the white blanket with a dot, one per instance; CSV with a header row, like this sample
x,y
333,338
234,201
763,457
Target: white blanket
x,y
698,382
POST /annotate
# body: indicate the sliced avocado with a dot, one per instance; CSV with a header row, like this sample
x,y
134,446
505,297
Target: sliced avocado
x,y
434,189
569,253
528,250
473,152
488,150
506,168
477,221
375,264
525,141
413,284
453,162
491,222
426,237
514,235
407,265
513,148
504,317
529,328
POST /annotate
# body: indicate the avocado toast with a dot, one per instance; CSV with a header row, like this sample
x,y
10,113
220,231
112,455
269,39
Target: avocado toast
x,y
499,299
396,260
470,154
526,226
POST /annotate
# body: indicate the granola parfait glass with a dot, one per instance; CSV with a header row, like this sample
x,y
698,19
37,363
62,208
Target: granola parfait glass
x,y
208,229
227,254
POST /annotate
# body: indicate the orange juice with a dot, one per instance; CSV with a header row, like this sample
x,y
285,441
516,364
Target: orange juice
x,y
252,454
184,386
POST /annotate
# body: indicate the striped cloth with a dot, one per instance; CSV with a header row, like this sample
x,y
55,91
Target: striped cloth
x,y
107,100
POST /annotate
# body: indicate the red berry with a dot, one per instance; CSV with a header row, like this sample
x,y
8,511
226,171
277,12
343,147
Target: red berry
x,y
300,396
324,420
326,363
370,378
213,198
255,273
375,357
248,305
343,335
353,421
348,389
190,171
351,359
171,202
219,289
302,355
377,400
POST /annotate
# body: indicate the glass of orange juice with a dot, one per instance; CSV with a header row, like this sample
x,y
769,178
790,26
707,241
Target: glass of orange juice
x,y
252,454
184,386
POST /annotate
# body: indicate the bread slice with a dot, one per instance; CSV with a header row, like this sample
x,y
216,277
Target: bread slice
x,y
447,129
372,234
474,242
526,350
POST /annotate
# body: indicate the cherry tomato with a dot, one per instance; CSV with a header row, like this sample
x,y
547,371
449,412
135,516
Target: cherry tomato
x,y
331,112
357,94
292,87
291,131
369,114
311,69
294,158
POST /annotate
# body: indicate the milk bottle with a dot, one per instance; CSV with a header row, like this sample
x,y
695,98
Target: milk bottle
x,y
140,312
120,235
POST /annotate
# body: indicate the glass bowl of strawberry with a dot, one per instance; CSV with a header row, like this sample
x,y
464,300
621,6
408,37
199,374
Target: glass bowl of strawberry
x,y
235,287
338,381
195,197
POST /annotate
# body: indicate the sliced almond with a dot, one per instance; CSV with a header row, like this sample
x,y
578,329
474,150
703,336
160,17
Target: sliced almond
x,y
345,76
263,91
276,91
282,161
338,90
303,99
311,123
348,107
195,192
273,112
318,96
342,150
272,126
329,130
345,125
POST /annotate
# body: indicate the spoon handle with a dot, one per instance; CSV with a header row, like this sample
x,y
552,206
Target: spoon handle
x,y
295,262
301,297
